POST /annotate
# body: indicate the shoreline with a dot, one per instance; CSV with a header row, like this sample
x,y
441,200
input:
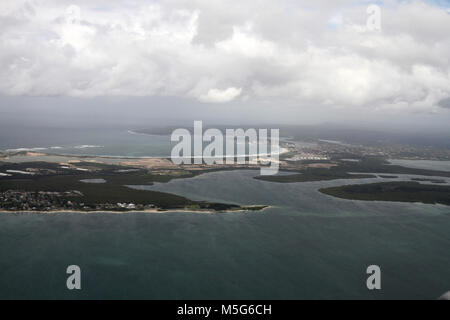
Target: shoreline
x,y
138,211
40,151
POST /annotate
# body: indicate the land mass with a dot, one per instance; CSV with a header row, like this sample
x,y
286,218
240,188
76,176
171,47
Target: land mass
x,y
366,167
402,191
38,182
43,186
314,175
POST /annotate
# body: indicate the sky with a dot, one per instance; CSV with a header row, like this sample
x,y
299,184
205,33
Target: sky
x,y
246,61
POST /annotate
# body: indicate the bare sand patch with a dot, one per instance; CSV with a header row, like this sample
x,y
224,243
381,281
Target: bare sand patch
x,y
149,163
321,165
35,154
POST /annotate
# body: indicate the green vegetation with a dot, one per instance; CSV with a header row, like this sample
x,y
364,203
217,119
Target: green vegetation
x,y
343,170
380,165
314,174
393,191
50,177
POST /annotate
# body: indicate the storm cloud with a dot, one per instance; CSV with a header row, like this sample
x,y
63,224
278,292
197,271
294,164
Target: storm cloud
x,y
293,52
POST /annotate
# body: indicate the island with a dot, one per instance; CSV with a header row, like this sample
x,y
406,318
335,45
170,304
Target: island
x,y
364,168
402,191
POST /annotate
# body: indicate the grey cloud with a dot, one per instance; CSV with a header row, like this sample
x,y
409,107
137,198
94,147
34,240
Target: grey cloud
x,y
225,51
445,103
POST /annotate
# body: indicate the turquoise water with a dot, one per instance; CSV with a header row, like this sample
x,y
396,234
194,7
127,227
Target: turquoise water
x,y
306,246
92,142
114,142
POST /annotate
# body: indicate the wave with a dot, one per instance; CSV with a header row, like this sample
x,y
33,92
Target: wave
x,y
142,133
85,146
32,149
25,149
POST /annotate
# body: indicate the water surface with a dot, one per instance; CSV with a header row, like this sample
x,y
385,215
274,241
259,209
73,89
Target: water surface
x,y
307,246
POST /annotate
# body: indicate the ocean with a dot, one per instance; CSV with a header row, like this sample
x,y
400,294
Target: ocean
x,y
110,142
306,246
93,142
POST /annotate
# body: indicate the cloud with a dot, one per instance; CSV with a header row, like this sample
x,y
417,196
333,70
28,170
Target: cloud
x,y
445,103
220,96
284,52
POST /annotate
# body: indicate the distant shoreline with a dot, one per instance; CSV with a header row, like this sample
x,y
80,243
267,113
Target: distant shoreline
x,y
140,211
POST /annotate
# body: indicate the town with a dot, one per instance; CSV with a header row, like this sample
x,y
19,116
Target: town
x,y
57,201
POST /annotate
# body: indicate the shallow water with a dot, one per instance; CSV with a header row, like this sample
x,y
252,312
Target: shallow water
x,y
423,164
96,181
91,142
100,142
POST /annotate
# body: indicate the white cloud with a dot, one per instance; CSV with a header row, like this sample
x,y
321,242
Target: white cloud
x,y
274,51
220,96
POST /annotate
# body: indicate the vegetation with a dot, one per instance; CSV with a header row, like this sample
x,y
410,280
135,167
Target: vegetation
x,y
314,174
344,170
53,177
380,165
404,191
49,177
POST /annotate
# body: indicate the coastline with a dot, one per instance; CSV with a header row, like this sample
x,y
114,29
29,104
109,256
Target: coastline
x,y
40,151
140,211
